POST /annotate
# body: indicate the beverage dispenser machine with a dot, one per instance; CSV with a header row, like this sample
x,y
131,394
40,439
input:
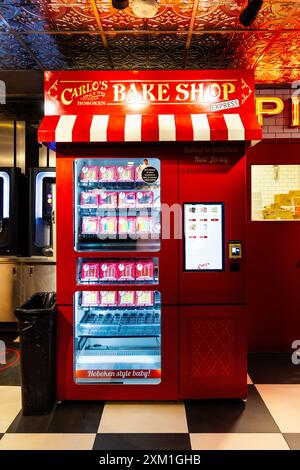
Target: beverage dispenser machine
x,y
12,229
41,181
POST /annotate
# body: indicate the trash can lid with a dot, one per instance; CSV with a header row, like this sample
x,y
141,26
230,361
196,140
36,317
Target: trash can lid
x,y
40,303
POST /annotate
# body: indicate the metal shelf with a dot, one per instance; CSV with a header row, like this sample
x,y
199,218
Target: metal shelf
x,y
94,350
118,211
152,282
121,324
91,242
117,185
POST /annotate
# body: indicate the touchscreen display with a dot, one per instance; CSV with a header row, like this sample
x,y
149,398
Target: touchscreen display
x,y
203,236
1,198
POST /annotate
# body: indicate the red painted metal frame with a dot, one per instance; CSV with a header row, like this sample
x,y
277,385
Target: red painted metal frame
x,y
273,262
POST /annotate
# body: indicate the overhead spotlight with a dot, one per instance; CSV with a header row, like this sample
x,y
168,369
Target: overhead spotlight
x,y
144,8
251,11
120,4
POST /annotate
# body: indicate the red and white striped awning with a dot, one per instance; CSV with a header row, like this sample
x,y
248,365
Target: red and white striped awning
x,y
149,128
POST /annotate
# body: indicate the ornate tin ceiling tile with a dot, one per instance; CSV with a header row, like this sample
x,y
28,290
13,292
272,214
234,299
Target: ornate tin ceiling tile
x,y
73,18
244,49
277,15
69,52
218,15
206,51
14,56
27,16
33,34
152,52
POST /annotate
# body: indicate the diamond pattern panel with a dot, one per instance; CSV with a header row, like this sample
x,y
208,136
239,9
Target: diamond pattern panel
x,y
212,347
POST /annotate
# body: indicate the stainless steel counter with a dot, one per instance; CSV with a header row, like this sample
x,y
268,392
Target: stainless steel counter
x,y
20,278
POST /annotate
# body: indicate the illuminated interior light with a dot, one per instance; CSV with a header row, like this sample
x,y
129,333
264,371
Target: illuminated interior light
x,y
144,8
50,108
136,106
136,103
39,192
6,185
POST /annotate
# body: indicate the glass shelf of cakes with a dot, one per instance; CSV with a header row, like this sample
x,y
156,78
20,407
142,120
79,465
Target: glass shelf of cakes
x,y
117,204
117,271
118,336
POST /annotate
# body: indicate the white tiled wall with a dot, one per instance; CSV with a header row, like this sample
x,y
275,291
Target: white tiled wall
x,y
265,185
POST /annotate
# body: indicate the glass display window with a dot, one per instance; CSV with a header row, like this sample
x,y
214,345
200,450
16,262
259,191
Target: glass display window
x,y
117,204
117,337
275,192
117,271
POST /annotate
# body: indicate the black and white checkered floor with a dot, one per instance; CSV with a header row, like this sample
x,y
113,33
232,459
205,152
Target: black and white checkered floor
x,y
269,420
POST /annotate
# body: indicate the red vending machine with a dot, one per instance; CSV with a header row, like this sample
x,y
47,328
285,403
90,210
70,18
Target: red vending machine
x,y
151,231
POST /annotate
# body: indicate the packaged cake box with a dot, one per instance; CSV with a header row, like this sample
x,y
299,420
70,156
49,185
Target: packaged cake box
x,y
144,225
108,199
144,298
125,173
144,271
107,174
108,225
90,271
108,298
126,298
108,271
144,199
127,199
127,225
89,200
90,225
90,299
89,174
126,271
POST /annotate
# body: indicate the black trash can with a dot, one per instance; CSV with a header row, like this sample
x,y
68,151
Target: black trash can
x,y
37,328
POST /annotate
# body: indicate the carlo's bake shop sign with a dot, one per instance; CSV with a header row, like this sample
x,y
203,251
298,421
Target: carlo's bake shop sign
x,y
203,237
95,92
